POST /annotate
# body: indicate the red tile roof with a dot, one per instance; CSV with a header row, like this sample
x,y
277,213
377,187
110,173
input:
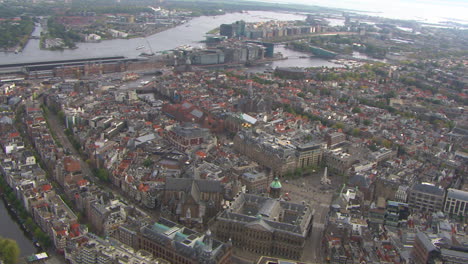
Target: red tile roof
x,y
46,187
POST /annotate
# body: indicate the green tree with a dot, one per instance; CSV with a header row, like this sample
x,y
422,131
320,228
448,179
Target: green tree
x,y
367,122
357,110
9,251
38,233
339,125
29,223
102,174
373,147
61,116
387,143
298,172
355,132
147,162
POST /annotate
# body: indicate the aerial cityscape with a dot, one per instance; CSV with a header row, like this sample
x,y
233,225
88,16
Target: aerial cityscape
x,y
233,132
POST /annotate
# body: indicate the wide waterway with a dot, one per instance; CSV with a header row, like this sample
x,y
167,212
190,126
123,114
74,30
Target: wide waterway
x,y
9,228
190,33
295,59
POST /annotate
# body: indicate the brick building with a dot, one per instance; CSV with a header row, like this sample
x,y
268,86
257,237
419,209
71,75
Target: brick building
x,y
192,201
334,138
424,251
187,135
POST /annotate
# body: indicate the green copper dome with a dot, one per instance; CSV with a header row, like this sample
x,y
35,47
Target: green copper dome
x,y
276,184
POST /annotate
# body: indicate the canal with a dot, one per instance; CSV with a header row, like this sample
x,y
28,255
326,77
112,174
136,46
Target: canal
x,y
9,228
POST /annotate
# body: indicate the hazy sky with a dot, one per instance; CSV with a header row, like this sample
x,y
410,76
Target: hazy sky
x,y
406,9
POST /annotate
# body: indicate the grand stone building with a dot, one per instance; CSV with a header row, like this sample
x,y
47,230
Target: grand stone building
x,y
279,155
266,226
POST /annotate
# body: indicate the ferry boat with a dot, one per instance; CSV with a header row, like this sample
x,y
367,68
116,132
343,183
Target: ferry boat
x,y
140,47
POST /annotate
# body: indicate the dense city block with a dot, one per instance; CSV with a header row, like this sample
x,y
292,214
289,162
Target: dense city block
x,y
209,155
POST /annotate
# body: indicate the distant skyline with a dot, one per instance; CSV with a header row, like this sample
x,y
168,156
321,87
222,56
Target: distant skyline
x,y
422,10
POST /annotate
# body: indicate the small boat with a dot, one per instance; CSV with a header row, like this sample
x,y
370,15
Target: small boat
x,y
145,54
140,47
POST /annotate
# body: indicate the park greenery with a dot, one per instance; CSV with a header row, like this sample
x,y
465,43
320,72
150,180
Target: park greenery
x,y
12,9
9,251
340,44
14,32
58,30
110,9
210,7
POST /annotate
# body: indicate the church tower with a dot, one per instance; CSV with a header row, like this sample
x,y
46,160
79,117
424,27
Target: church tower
x,y
275,188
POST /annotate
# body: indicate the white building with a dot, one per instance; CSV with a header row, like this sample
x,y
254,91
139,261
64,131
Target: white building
x,y
401,194
456,202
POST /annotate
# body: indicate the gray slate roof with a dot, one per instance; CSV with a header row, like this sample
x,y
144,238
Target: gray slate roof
x,y
184,184
429,189
457,194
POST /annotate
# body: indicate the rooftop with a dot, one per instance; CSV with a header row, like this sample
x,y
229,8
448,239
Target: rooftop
x,y
272,214
457,194
186,241
428,188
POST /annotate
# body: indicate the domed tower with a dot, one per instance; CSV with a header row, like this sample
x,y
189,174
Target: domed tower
x,y
208,240
275,188
207,249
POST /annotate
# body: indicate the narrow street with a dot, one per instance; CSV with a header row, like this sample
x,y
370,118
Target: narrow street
x,y
59,130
